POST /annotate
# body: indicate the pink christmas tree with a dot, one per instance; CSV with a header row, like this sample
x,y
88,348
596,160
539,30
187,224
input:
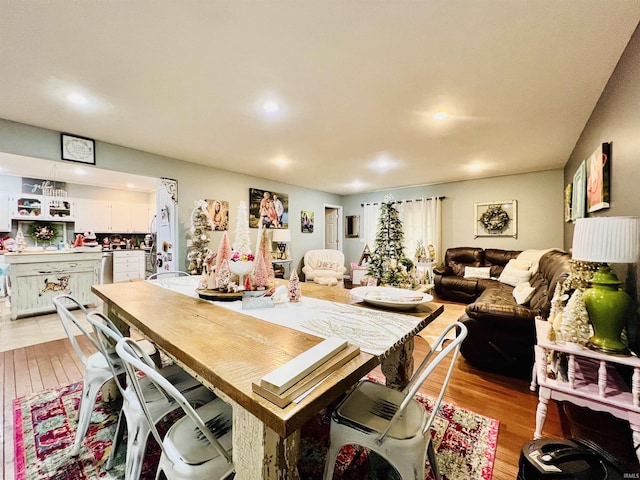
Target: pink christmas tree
x,y
295,292
266,255
261,276
224,251
224,275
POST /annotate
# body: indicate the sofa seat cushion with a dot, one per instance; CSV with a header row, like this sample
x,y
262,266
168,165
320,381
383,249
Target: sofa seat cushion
x,y
460,284
497,306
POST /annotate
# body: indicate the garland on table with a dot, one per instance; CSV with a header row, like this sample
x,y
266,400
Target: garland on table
x,y
43,232
495,219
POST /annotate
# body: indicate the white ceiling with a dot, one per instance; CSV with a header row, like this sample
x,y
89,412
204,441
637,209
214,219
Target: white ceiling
x,y
357,82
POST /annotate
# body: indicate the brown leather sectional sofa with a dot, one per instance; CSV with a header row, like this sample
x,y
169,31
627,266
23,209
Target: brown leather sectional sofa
x,y
501,332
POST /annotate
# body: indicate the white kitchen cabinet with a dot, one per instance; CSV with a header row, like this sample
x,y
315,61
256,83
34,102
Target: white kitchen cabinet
x,y
36,278
128,265
93,215
118,217
5,213
24,206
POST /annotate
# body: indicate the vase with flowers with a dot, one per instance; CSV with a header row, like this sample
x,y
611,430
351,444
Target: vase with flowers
x,y
43,232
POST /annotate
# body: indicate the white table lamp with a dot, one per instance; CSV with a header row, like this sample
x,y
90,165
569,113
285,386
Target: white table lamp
x,y
607,240
281,236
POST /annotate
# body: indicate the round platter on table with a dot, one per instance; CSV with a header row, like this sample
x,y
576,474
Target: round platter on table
x,y
218,295
390,297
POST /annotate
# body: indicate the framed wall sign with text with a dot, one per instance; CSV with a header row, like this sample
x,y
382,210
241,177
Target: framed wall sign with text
x,y
78,149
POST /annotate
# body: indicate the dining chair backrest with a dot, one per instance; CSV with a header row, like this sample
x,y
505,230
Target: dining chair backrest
x,y
69,321
438,353
107,336
168,274
130,352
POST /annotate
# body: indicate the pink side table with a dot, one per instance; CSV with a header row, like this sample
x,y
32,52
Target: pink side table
x,y
592,382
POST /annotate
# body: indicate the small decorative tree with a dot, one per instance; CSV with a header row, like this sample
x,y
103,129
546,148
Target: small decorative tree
x,y
575,320
295,292
388,264
224,251
242,241
199,248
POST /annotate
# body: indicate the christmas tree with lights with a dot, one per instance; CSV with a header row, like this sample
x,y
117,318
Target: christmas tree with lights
x,y
388,264
199,248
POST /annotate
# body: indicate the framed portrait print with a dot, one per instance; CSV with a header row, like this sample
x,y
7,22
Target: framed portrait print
x,y
269,209
306,221
496,219
78,149
219,212
578,200
568,190
598,169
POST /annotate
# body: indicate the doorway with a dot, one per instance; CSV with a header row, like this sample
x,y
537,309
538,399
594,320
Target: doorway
x,y
332,227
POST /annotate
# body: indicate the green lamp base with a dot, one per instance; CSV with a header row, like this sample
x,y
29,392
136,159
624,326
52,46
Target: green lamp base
x,y
608,307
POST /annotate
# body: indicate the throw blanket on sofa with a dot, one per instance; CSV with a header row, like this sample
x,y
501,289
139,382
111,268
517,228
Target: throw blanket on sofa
x,y
533,257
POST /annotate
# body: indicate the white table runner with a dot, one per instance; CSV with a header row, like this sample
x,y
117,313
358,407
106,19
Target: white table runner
x,y
374,331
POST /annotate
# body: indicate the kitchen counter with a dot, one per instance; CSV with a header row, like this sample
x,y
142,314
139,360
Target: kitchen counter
x,y
36,277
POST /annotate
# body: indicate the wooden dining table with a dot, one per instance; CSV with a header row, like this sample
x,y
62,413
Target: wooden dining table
x,y
230,350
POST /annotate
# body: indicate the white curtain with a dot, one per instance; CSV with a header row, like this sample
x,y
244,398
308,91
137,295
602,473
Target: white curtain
x,y
422,220
370,224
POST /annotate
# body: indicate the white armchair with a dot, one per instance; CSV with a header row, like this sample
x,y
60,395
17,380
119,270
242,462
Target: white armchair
x,y
324,266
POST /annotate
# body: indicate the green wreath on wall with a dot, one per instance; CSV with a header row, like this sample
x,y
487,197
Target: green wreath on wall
x,y
495,219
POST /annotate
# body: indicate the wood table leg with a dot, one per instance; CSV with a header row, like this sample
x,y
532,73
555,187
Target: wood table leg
x,y
258,451
398,366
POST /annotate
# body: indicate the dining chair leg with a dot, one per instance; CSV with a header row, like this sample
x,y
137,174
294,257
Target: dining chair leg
x,y
117,439
87,402
431,453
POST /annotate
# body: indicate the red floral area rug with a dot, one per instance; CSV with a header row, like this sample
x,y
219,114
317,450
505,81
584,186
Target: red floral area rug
x,y
44,427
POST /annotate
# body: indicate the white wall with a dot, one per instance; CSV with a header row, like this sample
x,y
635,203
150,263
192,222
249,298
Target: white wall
x,y
540,210
194,182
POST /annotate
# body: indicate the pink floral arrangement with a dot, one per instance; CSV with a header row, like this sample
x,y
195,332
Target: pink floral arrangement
x,y
244,257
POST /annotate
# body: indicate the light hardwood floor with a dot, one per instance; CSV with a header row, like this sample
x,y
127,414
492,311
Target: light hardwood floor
x,y
35,355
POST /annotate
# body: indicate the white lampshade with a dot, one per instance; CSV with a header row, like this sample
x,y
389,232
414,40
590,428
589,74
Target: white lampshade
x,y
281,235
607,239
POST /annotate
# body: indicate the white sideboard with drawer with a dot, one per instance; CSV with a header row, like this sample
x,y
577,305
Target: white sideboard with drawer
x,y
128,265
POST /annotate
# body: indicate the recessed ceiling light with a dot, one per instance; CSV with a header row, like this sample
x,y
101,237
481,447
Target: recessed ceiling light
x,y
440,115
77,98
271,106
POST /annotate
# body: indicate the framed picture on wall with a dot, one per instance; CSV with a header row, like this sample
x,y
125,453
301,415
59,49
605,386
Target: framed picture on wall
x,y
496,219
269,209
306,221
578,194
567,202
598,169
219,212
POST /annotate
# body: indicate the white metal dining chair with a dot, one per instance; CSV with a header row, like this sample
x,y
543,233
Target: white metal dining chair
x,y
97,370
393,423
168,274
198,446
159,405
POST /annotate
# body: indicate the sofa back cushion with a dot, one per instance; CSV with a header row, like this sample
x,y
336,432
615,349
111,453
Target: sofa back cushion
x,y
497,259
554,267
460,257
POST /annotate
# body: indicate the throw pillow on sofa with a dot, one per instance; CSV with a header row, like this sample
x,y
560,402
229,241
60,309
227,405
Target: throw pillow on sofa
x,y
477,272
513,274
523,293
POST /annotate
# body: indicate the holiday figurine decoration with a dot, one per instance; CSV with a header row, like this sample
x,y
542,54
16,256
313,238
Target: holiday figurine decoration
x,y
211,282
199,249
224,277
20,241
261,275
295,292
